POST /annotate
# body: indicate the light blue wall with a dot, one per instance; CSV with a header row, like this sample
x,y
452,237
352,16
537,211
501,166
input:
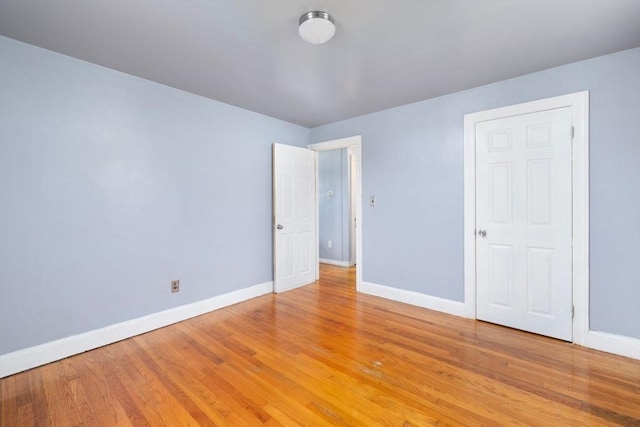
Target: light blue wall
x,y
413,164
333,175
111,186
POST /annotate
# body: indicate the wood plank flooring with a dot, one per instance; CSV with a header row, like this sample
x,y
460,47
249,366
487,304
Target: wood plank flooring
x,y
325,355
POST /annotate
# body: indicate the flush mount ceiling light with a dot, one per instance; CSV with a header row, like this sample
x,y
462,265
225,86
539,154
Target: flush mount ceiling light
x,y
316,27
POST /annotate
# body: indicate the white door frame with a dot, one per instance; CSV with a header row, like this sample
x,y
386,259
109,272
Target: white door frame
x,y
579,104
354,144
353,219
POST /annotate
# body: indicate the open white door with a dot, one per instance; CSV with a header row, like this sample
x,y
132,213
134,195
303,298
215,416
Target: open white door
x,y
294,217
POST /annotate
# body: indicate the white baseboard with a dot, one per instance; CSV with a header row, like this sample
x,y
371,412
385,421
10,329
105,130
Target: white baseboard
x,y
611,343
334,262
42,354
414,298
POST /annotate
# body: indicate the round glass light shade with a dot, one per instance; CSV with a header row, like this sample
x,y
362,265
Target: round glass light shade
x,y
316,27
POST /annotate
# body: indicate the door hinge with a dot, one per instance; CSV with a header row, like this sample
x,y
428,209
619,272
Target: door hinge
x,y
573,311
573,132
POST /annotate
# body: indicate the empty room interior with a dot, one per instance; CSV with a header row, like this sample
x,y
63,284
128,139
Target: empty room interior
x,y
309,213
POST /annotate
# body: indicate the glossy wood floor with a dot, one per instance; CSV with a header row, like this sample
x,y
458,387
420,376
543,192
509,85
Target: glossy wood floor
x,y
324,355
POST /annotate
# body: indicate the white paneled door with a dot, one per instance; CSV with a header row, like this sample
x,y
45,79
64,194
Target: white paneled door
x,y
294,216
523,222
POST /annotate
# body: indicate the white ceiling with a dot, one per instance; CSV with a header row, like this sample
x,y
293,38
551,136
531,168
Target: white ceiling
x,y
385,53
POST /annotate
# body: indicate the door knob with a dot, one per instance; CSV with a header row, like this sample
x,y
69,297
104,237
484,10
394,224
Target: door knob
x,y
482,232
279,227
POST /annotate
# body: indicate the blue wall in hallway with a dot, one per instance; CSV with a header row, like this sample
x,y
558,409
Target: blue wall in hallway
x,y
333,176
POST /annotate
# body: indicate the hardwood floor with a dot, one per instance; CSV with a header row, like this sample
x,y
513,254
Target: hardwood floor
x,y
324,355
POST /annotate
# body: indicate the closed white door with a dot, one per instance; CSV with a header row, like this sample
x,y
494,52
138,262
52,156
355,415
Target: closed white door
x,y
523,222
294,212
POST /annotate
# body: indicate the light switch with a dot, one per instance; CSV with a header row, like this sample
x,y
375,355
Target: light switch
x,y
372,201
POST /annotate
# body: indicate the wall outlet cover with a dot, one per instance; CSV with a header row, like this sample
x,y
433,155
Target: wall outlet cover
x,y
175,286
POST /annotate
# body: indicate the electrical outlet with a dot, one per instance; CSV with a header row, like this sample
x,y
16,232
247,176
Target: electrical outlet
x,y
329,244
175,286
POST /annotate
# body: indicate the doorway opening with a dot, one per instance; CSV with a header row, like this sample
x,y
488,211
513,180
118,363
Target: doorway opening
x,y
339,218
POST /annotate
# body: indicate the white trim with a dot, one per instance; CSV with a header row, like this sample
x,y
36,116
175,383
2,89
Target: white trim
x,y
579,104
336,144
42,354
611,343
580,220
354,143
334,262
414,298
469,217
353,221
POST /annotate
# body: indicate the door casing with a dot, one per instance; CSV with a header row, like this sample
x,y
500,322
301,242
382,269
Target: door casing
x,y
579,104
353,219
